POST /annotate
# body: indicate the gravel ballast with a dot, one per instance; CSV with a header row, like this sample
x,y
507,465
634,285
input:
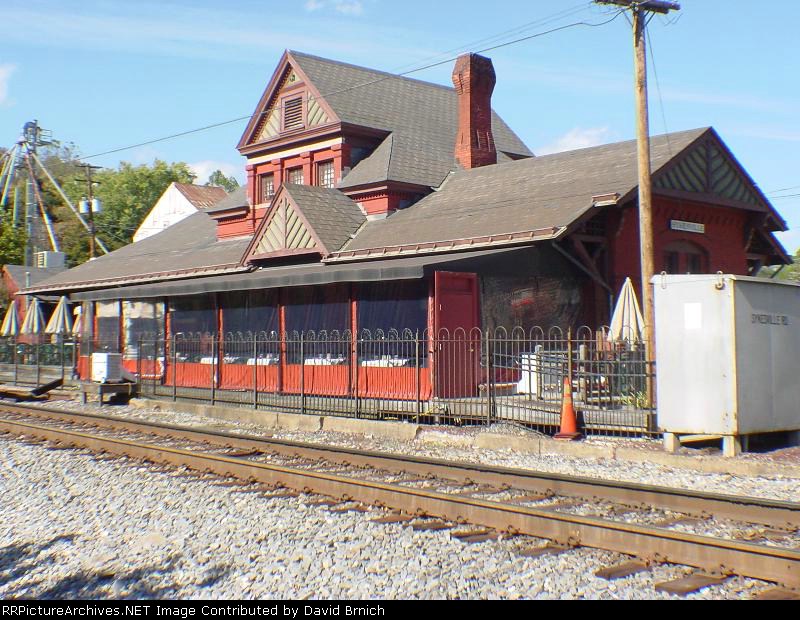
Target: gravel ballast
x,y
76,525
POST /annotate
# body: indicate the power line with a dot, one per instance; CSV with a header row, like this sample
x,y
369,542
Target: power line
x,y
658,89
513,31
785,189
356,86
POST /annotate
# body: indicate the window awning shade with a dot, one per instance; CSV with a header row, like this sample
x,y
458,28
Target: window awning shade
x,y
296,275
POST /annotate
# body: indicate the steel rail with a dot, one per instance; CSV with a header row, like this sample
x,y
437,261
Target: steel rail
x,y
774,513
725,556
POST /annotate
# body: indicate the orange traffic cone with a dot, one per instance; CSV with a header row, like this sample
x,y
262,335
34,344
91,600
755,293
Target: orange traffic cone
x,y
569,421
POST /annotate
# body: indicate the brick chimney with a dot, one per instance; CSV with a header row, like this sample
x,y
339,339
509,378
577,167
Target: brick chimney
x,y
474,79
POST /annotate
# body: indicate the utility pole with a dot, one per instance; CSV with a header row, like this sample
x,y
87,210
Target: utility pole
x,y
640,10
88,207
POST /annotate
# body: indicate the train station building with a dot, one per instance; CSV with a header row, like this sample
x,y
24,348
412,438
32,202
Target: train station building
x,y
376,203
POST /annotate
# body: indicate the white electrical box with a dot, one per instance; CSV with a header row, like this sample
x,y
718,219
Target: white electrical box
x,y
50,260
107,367
728,350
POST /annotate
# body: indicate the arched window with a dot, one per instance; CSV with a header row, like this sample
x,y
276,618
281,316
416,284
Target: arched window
x,y
685,257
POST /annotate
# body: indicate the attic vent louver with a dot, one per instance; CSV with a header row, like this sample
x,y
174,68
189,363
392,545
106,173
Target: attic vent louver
x,y
293,113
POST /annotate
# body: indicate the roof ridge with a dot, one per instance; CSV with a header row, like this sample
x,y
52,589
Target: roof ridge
x,y
699,130
386,74
541,158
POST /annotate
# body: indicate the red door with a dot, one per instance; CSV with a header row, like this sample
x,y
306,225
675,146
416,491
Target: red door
x,y
457,336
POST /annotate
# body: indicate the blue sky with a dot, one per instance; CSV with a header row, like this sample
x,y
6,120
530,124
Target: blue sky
x,y
108,74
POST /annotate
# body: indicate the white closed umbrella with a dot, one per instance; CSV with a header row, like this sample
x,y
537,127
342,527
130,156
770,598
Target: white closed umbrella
x,y
34,320
10,325
77,325
61,321
627,323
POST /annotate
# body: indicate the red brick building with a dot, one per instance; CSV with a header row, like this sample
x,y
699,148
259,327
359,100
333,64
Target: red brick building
x,y
377,202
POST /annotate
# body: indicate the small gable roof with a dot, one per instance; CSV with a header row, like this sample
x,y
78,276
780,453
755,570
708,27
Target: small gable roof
x,y
237,199
306,218
420,116
23,275
201,196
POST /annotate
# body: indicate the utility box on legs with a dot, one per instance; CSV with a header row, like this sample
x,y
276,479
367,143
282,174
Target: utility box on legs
x,y
727,356
106,367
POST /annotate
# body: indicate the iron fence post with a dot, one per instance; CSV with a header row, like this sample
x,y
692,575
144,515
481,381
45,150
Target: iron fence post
x,y
174,367
139,386
417,385
255,372
16,360
537,353
569,354
355,371
38,364
63,373
214,353
489,381
302,373
583,379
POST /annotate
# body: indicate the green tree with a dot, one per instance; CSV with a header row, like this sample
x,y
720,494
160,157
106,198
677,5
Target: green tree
x,y
218,179
63,164
128,195
789,272
12,243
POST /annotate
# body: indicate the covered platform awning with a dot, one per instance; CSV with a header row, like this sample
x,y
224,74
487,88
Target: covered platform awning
x,y
407,268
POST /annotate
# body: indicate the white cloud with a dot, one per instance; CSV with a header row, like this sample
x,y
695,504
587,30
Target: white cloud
x,y
346,7
203,170
577,138
144,155
6,70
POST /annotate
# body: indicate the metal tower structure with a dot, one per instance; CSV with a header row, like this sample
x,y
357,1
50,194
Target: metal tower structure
x,y
22,160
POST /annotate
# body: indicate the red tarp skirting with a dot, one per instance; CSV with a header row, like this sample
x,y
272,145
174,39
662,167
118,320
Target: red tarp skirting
x,y
240,377
395,383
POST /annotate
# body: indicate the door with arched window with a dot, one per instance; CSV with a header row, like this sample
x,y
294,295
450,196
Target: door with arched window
x,y
685,257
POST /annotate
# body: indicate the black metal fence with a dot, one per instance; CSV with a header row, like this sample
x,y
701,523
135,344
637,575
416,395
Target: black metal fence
x,y
36,359
462,377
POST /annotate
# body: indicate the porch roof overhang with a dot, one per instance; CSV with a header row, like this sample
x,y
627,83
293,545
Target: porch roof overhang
x,y
407,268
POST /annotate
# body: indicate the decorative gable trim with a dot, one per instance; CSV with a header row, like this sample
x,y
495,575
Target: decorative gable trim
x,y
287,83
708,169
284,231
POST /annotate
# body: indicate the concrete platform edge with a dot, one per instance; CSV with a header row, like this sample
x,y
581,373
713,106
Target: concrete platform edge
x,y
537,444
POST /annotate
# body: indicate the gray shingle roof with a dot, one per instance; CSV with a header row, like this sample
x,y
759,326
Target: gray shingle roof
x,y
188,246
237,198
421,116
550,191
18,273
332,215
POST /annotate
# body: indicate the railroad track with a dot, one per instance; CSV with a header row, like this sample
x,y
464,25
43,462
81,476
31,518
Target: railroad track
x,y
644,521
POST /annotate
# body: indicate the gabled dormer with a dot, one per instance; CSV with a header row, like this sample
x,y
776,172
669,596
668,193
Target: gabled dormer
x,y
290,107
304,220
294,136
